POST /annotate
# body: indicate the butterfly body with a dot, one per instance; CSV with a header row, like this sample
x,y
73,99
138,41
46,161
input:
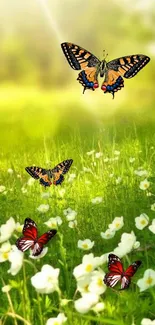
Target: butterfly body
x,y
117,272
31,240
92,67
47,177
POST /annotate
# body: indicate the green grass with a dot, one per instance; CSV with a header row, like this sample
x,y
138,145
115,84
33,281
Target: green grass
x,y
21,147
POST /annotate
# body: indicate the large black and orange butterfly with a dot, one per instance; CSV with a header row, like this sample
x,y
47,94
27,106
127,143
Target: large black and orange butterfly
x,y
113,71
117,272
50,176
31,239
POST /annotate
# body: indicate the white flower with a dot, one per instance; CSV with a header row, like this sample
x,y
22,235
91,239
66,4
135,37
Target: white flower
x,y
71,178
84,304
10,171
43,208
132,159
46,281
147,321
70,214
126,245
31,181
89,263
108,234
144,185
59,320
72,224
87,170
7,229
6,288
98,154
152,226
96,284
62,192
4,251
42,254
141,173
147,281
153,207
16,260
53,222
90,153
142,221
24,190
117,224
118,180
85,244
19,227
98,307
97,200
46,195
2,188
116,153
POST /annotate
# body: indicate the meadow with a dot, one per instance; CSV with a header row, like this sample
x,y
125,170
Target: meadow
x,y
112,158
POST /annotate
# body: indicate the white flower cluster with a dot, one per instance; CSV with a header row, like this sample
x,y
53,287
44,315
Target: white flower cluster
x,y
117,224
127,244
70,217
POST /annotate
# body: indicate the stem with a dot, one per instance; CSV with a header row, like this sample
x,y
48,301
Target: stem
x,y
63,258
26,302
19,317
40,310
11,304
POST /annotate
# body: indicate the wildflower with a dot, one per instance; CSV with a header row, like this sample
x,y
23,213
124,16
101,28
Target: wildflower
x,y
147,321
2,188
96,284
108,234
132,159
89,263
7,229
6,288
98,307
153,207
117,224
116,153
59,320
127,244
118,180
85,244
46,195
142,221
62,192
16,260
24,190
70,214
97,200
90,153
144,185
19,227
72,224
4,251
141,173
152,226
10,171
31,181
98,155
43,208
46,281
54,222
147,281
42,254
71,178
84,304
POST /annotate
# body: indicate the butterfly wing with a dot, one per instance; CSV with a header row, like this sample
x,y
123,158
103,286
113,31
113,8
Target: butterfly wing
x,y
80,59
131,270
116,270
43,240
60,169
39,173
30,235
127,67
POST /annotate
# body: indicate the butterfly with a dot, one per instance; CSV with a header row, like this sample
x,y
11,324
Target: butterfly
x,y
31,239
113,71
50,176
117,272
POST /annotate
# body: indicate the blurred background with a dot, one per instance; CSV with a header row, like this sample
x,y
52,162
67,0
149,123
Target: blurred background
x,y
39,94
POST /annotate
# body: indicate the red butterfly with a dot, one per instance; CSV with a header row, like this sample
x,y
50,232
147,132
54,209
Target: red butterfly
x,y
31,239
117,272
